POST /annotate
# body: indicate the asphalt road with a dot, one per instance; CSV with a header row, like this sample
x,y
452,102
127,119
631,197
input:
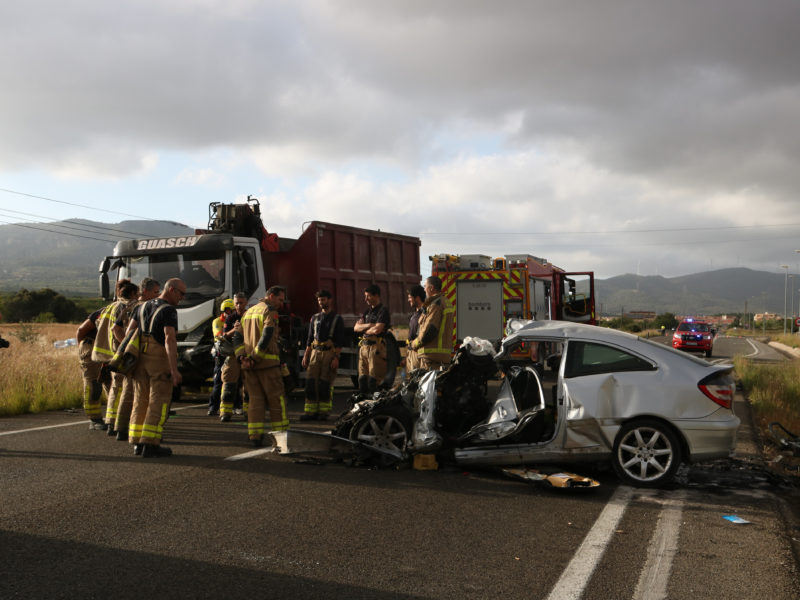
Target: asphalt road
x,y
81,517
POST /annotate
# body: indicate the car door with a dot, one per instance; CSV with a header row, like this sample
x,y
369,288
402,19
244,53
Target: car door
x,y
601,385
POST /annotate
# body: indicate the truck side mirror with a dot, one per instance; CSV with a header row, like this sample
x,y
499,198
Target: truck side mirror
x,y
104,291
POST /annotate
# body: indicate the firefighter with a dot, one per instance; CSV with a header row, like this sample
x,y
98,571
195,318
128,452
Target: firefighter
x,y
148,289
321,358
231,373
156,372
106,343
259,355
373,326
92,386
416,298
217,325
434,343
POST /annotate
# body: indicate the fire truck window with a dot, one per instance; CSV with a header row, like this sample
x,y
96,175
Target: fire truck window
x,y
245,278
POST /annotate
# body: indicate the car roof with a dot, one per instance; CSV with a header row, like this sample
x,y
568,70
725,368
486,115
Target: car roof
x,y
568,329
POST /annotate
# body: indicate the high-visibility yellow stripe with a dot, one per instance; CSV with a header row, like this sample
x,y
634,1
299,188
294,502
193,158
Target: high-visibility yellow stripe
x,y
439,349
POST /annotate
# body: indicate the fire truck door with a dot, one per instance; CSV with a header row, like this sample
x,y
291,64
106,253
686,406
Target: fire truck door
x,y
539,293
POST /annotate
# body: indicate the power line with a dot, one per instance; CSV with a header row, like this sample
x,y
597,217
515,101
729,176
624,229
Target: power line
x,y
55,223
114,212
57,232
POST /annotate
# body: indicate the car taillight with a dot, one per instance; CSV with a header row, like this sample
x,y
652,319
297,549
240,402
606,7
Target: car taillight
x,y
719,387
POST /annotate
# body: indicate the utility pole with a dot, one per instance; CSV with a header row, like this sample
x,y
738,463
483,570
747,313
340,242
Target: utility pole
x,y
785,287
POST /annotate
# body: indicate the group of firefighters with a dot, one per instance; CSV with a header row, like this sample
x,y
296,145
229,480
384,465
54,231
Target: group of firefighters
x,y
247,350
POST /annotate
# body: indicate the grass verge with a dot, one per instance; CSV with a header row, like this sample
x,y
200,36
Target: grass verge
x,y
35,376
773,391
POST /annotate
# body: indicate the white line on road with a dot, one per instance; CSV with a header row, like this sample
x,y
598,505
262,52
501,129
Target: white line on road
x,y
576,576
73,423
662,549
251,454
753,346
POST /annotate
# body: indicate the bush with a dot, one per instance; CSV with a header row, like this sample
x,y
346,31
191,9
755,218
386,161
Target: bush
x,y
27,333
26,306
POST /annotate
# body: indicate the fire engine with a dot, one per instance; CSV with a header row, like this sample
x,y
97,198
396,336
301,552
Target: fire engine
x,y
487,292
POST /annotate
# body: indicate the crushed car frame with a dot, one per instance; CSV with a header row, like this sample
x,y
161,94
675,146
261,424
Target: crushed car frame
x,y
583,393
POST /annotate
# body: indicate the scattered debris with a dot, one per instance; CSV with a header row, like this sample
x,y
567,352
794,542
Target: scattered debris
x,y
789,441
556,480
736,520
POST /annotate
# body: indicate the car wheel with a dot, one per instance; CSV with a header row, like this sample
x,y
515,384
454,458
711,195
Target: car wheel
x,y
388,430
646,453
708,353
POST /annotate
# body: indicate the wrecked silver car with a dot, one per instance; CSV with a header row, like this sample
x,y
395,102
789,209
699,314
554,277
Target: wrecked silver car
x,y
555,392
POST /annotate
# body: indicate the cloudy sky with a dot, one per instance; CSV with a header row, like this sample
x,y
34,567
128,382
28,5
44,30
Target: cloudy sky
x,y
659,138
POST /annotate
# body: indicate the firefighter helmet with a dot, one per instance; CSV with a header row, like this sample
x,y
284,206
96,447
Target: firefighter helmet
x,y
227,304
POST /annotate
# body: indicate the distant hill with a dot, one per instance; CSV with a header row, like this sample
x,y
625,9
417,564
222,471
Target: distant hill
x,y
707,293
64,255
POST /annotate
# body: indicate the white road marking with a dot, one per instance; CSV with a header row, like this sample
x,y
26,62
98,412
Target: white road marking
x,y
251,454
663,546
753,346
2,433
579,571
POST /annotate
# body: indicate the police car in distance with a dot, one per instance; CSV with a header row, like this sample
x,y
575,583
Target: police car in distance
x,y
694,335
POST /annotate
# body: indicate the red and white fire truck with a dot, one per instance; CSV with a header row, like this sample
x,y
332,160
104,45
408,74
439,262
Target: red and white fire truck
x,y
487,292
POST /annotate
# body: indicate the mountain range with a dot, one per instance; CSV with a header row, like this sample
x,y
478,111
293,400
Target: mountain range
x,y
64,256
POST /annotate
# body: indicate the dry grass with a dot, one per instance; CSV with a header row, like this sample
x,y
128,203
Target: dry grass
x,y
35,376
773,391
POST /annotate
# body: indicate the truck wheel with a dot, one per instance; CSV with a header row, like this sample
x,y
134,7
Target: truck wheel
x,y
646,453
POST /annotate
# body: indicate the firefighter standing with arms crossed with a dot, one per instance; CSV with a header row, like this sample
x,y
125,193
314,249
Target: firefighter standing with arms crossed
x,y
434,343
321,358
416,298
372,326
260,358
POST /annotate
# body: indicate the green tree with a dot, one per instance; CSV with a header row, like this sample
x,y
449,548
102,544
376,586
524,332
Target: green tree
x,y
26,306
668,320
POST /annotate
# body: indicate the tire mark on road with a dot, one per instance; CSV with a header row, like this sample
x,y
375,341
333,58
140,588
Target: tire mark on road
x,y
663,546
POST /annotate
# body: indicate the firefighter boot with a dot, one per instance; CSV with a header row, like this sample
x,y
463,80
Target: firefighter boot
x,y
226,404
325,391
312,403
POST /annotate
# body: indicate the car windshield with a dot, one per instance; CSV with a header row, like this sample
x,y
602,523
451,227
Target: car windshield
x,y
692,327
203,273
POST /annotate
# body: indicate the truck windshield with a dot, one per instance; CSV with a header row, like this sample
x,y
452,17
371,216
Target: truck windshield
x,y
203,273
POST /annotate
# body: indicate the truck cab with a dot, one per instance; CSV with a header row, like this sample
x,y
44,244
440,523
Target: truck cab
x,y
213,266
